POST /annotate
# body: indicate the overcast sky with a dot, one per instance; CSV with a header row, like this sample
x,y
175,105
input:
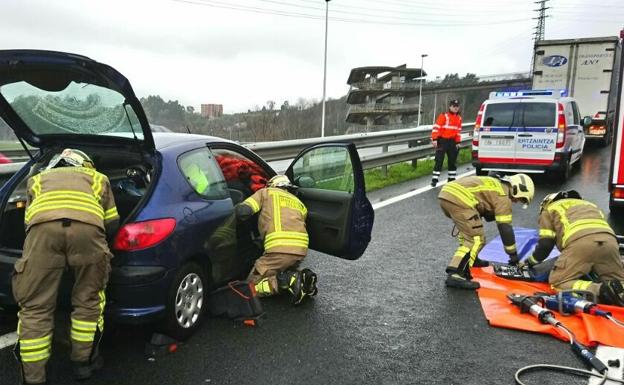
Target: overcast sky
x,y
242,53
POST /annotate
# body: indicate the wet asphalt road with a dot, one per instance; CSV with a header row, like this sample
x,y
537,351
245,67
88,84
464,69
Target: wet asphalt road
x,y
384,319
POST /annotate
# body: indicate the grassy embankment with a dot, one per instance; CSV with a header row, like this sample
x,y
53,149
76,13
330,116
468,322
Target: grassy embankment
x,y
402,172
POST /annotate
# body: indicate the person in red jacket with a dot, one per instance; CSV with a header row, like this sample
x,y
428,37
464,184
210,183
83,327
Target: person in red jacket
x,y
445,137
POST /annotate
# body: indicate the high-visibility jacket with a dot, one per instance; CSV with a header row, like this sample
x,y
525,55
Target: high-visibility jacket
x,y
489,197
76,193
447,126
566,220
281,222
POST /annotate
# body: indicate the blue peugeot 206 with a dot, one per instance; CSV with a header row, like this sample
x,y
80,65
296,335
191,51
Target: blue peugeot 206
x,y
178,239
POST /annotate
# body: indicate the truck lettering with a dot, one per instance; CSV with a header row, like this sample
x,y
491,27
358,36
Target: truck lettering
x,y
590,62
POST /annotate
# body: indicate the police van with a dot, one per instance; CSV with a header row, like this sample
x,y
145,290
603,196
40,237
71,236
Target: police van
x,y
532,131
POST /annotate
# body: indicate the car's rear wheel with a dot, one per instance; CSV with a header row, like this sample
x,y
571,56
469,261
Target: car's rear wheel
x,y
186,301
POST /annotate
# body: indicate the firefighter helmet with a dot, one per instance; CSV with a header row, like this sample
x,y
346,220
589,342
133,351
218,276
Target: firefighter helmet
x,y
550,198
521,187
280,181
71,157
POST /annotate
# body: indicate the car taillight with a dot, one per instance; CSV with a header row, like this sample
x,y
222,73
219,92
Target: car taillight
x,y
141,235
475,133
561,126
618,193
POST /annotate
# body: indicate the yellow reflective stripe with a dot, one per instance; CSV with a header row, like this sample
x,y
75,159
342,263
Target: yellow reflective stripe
x,y
461,193
36,187
547,233
511,249
35,342
475,249
270,245
277,215
255,207
503,218
584,224
102,295
82,337
96,187
66,206
62,196
111,213
287,235
461,251
83,325
263,287
532,260
581,285
35,356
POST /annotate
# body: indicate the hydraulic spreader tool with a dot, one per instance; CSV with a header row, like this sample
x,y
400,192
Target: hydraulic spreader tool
x,y
573,302
536,306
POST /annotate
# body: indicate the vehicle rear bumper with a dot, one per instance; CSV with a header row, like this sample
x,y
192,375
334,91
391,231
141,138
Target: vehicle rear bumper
x,y
515,167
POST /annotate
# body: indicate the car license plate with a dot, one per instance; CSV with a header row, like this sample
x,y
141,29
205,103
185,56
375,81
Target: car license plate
x,y
498,142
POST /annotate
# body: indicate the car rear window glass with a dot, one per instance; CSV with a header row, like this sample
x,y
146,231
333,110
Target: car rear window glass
x,y
539,115
500,114
79,108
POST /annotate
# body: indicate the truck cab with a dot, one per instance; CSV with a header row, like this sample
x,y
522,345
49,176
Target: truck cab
x,y
531,131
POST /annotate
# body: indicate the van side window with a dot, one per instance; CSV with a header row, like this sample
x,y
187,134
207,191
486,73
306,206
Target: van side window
x,y
577,115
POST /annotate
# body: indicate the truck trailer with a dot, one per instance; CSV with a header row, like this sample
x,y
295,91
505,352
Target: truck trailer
x,y
616,173
587,69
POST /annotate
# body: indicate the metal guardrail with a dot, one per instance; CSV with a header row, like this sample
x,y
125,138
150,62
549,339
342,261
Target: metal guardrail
x,y
418,140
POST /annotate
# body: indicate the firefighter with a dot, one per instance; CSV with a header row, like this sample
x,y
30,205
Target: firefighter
x,y
587,244
282,226
445,137
70,210
468,199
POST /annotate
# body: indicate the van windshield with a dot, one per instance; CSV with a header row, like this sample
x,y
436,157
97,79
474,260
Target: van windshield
x,y
520,115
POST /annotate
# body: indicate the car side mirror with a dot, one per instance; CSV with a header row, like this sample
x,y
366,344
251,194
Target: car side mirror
x,y
305,181
587,121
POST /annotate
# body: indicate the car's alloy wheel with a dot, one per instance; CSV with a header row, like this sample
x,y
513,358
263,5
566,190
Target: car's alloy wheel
x,y
186,301
189,300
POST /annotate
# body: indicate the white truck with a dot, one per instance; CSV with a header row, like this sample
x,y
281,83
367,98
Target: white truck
x,y
587,69
616,174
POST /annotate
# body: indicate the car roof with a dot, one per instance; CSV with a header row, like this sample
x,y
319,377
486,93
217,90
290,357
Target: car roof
x,y
166,139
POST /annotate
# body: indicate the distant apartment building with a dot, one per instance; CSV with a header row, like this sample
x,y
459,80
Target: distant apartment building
x,y
211,110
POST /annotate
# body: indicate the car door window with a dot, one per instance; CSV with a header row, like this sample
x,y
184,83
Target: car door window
x,y
202,172
242,175
327,168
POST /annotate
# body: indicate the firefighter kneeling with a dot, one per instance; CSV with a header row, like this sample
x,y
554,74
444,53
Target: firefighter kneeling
x,y
69,211
281,224
587,244
468,199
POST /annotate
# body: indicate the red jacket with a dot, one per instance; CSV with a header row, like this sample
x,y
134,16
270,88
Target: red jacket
x,y
447,126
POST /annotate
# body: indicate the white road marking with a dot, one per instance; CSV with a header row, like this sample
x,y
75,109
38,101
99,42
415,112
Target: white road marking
x,y
410,194
604,354
8,340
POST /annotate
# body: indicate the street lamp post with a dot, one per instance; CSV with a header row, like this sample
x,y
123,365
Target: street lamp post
x,y
422,62
325,69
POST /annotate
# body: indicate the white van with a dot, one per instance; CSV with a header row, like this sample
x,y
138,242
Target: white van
x,y
533,131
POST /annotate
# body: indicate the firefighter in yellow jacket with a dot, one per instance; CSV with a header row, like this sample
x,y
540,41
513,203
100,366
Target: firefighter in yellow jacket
x,y
468,199
281,223
70,209
587,244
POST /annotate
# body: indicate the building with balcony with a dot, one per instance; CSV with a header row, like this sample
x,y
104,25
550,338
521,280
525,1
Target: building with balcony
x,y
211,110
383,97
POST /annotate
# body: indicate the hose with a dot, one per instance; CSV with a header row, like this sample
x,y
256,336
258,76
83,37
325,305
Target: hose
x,y
565,369
615,321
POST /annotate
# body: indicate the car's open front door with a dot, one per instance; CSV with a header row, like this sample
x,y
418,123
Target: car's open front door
x,y
331,185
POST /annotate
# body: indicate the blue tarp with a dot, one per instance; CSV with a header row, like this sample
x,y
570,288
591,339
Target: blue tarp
x,y
526,239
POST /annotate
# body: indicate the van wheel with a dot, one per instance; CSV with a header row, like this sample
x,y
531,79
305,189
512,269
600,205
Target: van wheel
x,y
186,301
565,173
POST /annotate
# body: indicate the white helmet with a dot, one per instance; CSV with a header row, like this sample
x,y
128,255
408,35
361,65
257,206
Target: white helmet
x,y
280,181
522,186
71,157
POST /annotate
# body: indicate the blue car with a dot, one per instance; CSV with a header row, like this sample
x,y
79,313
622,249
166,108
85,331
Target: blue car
x,y
175,193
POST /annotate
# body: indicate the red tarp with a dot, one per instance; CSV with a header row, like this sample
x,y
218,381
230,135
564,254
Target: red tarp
x,y
589,330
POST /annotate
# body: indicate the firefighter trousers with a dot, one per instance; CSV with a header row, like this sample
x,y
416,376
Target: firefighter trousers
x,y
49,249
446,147
597,253
471,236
267,267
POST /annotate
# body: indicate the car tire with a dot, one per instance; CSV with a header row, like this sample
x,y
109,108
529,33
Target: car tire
x,y
186,301
565,172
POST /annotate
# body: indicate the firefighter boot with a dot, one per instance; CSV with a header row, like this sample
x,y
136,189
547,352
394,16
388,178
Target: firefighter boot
x,y
309,282
461,278
612,293
291,281
478,262
84,370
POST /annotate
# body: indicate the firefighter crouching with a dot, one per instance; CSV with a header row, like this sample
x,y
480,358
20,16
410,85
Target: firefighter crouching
x,y
587,244
281,223
70,209
468,199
